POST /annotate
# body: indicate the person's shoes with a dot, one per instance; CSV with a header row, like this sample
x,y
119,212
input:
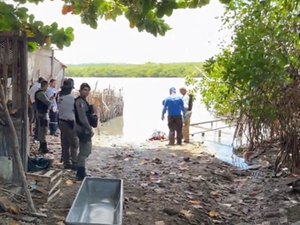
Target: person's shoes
x,y
170,144
80,175
73,167
67,166
179,143
296,186
43,148
186,141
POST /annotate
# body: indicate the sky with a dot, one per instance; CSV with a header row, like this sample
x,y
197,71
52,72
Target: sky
x,y
195,37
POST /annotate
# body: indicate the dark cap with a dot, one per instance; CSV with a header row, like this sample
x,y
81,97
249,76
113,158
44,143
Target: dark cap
x,y
68,83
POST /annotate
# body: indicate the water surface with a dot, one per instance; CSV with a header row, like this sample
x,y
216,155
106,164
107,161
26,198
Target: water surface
x,y
142,115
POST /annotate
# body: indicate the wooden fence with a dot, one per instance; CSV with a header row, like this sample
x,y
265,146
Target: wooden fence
x,y
108,103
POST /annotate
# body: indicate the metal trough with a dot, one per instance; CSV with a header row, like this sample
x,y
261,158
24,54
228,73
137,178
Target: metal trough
x,y
99,202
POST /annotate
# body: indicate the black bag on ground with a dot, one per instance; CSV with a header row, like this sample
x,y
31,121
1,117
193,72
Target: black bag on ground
x,y
38,164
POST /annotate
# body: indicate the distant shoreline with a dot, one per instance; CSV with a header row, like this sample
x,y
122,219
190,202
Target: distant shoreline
x,y
155,70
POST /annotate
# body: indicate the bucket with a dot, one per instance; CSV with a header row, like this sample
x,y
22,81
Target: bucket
x,y
6,168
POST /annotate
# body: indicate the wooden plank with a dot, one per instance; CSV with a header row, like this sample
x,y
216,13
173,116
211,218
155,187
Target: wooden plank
x,y
55,186
38,177
42,183
5,75
56,176
23,86
35,174
15,78
42,190
45,181
49,173
9,34
53,195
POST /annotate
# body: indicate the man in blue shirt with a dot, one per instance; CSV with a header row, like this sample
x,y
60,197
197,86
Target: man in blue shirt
x,y
174,105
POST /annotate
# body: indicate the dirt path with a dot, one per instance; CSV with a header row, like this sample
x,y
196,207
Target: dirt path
x,y
181,185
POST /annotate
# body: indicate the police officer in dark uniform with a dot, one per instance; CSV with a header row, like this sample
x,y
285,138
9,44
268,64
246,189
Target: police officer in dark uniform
x,y
42,107
84,129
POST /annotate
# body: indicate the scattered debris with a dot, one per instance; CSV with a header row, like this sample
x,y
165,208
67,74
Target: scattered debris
x,y
158,136
166,184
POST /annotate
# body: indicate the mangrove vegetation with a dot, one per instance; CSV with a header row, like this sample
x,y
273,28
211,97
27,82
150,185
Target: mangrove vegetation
x,y
256,78
133,70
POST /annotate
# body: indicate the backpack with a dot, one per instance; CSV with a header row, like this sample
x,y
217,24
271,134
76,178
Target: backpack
x,y
190,103
91,115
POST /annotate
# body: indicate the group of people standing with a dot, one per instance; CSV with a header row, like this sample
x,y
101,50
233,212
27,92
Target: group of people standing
x,y
73,115
179,110
42,102
75,119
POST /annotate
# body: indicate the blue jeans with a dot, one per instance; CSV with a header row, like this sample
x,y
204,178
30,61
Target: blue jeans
x,y
53,122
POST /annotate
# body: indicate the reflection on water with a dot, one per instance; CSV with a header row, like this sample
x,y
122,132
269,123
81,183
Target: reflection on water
x,y
142,115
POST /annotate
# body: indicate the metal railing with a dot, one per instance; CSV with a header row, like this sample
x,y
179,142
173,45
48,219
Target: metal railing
x,y
206,129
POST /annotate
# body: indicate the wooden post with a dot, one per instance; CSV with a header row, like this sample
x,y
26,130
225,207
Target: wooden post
x,y
52,62
16,152
23,60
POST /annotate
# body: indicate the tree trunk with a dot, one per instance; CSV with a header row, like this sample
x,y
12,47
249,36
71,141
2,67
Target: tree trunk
x,y
16,153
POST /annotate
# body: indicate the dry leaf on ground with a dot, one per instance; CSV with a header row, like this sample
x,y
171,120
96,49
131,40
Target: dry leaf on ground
x,y
186,214
69,182
213,214
215,194
159,223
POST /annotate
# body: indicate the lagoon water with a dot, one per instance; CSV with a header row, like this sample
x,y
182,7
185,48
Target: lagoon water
x,y
142,114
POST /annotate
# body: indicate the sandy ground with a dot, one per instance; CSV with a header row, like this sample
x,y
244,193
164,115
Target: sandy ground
x,y
177,185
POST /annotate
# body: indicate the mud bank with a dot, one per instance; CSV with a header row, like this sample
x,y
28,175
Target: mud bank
x,y
177,185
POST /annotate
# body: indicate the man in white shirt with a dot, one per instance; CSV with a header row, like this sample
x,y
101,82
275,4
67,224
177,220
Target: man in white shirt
x,y
33,117
53,113
187,103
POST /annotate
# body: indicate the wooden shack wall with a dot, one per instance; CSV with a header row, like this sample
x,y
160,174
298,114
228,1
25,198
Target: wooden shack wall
x,y
42,63
13,75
